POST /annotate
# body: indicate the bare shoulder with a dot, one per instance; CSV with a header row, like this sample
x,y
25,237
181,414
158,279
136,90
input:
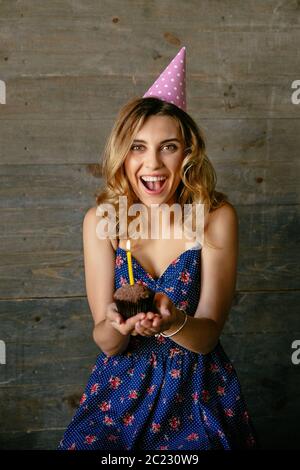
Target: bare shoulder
x,y
91,216
225,213
222,225
90,221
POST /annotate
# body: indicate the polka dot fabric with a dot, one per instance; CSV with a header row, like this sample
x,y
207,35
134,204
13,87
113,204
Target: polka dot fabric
x,y
170,85
158,395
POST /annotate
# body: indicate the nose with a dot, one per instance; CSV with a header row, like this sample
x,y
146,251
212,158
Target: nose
x,y
153,160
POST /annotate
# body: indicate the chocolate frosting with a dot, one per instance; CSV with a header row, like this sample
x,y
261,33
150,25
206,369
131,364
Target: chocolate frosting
x,y
132,293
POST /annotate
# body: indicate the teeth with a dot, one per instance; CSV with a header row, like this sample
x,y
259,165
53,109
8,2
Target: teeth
x,y
153,178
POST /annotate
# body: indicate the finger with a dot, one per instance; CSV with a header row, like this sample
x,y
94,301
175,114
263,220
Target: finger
x,y
157,316
145,331
152,332
138,316
146,323
151,323
116,326
114,317
131,322
139,328
157,322
150,315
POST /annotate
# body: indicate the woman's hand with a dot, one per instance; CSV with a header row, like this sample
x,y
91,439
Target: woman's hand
x,y
154,323
124,326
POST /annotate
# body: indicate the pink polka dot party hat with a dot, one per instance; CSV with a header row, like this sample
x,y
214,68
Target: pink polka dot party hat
x,y
170,85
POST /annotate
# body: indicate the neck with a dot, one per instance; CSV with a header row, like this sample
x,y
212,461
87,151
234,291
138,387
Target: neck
x,y
157,223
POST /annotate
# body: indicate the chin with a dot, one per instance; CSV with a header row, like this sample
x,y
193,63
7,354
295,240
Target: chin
x,y
155,200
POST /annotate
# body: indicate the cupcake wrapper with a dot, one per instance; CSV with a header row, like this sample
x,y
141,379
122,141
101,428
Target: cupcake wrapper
x,y
129,309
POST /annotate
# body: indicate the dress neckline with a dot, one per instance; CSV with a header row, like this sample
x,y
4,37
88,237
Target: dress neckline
x,y
156,279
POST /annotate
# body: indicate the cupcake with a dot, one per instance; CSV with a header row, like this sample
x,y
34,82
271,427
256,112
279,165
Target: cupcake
x,y
133,299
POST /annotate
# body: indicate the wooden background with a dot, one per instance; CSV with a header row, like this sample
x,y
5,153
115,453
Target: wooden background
x,y
69,65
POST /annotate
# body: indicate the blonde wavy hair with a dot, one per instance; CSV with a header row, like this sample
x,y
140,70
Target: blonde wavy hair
x,y
198,177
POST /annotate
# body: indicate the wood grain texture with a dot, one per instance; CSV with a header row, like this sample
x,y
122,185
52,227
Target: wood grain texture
x,y
90,97
242,142
69,66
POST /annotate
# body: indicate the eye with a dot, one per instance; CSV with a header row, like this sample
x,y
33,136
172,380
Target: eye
x,y
135,146
171,145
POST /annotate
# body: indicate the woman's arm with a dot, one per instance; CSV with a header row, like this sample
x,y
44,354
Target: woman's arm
x,y
99,260
218,280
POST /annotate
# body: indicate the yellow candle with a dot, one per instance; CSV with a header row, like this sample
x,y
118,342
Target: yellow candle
x,y
129,263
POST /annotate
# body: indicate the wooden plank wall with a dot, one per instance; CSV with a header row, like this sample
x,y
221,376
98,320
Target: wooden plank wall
x,y
69,66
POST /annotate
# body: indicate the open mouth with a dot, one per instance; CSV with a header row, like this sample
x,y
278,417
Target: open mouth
x,y
153,185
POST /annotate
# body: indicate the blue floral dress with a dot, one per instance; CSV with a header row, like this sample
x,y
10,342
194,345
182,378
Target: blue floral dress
x,y
158,395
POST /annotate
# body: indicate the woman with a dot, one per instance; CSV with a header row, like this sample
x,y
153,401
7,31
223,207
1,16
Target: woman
x,y
162,379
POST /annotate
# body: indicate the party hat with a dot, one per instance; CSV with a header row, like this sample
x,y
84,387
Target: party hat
x,y
170,85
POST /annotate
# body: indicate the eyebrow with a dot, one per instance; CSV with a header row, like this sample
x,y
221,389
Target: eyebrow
x,y
162,142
